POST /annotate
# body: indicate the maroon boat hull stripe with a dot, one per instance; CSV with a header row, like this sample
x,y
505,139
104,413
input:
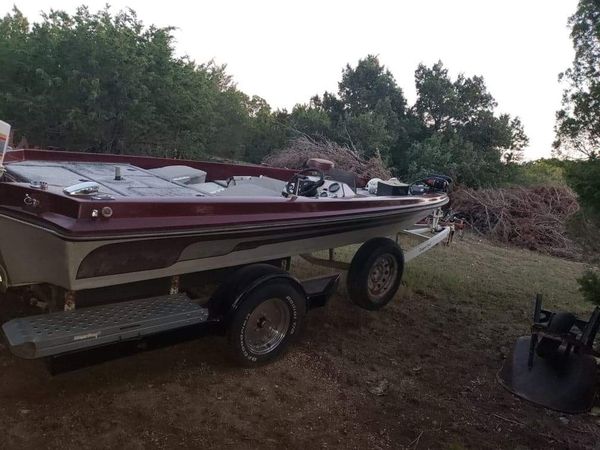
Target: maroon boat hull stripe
x,y
233,228
149,254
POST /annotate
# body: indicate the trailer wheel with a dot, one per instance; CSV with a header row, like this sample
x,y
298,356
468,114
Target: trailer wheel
x,y
375,273
265,323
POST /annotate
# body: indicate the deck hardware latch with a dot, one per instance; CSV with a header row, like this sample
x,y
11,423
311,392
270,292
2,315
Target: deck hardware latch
x,y
42,185
85,188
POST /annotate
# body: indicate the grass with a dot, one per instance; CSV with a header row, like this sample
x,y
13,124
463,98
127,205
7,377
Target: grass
x,y
478,272
445,336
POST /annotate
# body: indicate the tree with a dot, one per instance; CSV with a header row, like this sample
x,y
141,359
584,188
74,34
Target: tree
x,y
368,113
104,82
453,156
584,178
268,130
437,100
578,122
311,120
461,112
365,86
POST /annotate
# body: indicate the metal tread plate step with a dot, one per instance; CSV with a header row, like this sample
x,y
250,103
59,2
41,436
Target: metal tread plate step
x,y
51,334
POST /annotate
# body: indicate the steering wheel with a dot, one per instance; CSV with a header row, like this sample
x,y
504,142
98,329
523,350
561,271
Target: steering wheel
x,y
302,184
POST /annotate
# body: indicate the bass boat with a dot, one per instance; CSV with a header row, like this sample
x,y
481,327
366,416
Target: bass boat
x,y
108,228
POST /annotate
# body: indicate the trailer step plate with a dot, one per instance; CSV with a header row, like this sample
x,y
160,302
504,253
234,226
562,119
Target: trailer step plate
x,y
62,332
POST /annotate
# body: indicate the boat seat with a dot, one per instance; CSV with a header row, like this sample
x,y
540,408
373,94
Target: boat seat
x,y
248,190
241,186
180,174
209,188
265,182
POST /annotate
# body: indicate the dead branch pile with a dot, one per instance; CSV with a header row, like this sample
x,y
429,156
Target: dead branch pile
x,y
533,218
303,148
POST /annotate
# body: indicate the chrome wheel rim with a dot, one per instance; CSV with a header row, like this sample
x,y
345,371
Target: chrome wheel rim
x,y
382,276
267,326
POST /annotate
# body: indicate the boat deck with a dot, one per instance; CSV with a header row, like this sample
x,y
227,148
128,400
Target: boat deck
x,y
127,180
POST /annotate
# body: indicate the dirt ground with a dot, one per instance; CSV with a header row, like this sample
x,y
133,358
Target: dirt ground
x,y
418,374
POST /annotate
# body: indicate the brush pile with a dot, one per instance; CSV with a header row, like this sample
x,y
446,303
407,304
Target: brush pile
x,y
301,149
533,218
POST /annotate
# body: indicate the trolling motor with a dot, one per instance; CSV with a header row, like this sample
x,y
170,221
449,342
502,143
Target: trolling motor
x,y
555,367
431,183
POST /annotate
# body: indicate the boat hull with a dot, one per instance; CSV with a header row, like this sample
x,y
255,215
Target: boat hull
x,y
32,254
144,228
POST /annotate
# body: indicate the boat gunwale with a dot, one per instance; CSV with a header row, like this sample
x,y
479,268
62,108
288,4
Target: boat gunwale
x,y
198,229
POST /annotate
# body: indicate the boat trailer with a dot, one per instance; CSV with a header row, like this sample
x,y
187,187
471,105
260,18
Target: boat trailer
x,y
430,234
260,307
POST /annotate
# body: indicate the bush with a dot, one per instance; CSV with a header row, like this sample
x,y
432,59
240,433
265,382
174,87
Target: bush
x,y
589,286
535,173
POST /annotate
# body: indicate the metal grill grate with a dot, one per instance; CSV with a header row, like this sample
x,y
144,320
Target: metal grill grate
x,y
51,334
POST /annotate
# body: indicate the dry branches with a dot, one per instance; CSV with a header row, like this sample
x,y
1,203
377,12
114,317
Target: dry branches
x,y
303,148
534,218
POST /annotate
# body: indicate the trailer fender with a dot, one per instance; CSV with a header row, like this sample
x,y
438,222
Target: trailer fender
x,y
227,299
263,280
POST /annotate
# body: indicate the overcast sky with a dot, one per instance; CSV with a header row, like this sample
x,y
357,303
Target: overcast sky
x,y
287,51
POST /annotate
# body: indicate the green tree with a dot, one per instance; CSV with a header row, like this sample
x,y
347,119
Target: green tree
x,y
363,88
584,178
312,120
268,130
104,82
578,122
368,113
451,155
461,112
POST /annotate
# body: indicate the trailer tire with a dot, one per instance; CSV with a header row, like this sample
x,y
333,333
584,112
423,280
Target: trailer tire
x,y
268,319
375,273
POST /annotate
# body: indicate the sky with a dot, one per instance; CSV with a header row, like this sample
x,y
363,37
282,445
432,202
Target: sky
x,y
287,51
